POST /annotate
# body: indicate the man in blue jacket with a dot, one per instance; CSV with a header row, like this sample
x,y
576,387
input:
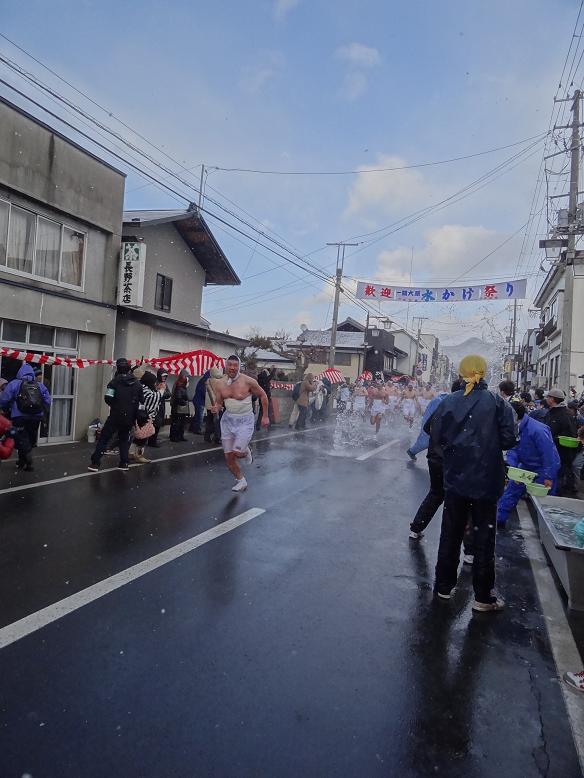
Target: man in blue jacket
x,y
199,402
26,401
423,438
473,427
536,451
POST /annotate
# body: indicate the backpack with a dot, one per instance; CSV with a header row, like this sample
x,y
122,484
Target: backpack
x,y
296,391
29,399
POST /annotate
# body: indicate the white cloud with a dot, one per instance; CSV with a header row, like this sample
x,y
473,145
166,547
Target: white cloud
x,y
282,8
354,85
255,77
387,193
359,58
448,251
359,55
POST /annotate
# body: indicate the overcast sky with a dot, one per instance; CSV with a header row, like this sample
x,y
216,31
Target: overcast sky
x,y
327,85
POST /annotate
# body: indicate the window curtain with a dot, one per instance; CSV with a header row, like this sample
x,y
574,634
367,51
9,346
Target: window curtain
x,y
48,249
21,240
72,257
60,418
3,230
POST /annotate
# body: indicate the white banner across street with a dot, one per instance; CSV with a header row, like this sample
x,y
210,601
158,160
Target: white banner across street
x,y
508,290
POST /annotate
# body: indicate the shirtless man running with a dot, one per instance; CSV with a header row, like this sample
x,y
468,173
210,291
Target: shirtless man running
x,y
409,404
378,403
237,423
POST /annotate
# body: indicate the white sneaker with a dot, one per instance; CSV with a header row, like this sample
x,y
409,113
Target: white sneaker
x,y
248,456
240,486
468,559
416,535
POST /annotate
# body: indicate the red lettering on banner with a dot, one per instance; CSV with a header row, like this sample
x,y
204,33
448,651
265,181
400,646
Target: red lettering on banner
x,y
385,292
369,291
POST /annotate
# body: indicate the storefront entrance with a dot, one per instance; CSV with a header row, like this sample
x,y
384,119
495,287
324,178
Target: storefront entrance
x,y
58,425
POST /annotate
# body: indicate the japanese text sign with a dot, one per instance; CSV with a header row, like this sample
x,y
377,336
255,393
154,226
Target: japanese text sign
x,y
507,290
131,279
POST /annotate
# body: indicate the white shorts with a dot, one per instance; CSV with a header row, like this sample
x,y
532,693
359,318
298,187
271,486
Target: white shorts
x,y
359,402
392,403
378,408
423,404
236,431
409,408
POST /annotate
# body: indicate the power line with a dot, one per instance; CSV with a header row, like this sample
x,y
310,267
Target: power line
x,y
370,169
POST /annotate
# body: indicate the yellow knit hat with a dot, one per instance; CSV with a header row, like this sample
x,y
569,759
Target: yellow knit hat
x,y
472,368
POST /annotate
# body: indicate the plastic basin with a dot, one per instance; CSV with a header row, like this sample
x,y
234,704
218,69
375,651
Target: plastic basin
x,y
537,490
520,475
564,440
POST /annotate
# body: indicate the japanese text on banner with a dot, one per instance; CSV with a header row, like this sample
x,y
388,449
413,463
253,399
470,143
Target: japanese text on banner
x,y
508,290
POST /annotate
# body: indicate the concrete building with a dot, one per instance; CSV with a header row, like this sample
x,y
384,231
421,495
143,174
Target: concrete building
x,y
548,338
60,215
175,257
285,368
527,377
356,349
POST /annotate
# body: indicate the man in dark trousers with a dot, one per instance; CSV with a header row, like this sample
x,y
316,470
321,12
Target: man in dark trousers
x,y
435,497
125,398
472,427
27,401
265,377
562,422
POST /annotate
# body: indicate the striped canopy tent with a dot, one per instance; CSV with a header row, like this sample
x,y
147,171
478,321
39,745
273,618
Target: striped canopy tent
x,y
194,362
333,374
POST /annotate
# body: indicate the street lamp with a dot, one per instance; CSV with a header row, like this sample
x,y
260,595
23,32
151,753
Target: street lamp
x,y
553,247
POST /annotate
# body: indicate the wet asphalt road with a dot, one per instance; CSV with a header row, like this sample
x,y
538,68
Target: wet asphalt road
x,y
305,642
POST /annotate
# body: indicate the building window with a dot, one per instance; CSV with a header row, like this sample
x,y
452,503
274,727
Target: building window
x,y
342,359
20,240
72,257
163,296
35,246
3,230
48,249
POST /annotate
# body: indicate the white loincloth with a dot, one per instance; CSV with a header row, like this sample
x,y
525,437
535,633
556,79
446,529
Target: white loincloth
x,y
236,431
408,408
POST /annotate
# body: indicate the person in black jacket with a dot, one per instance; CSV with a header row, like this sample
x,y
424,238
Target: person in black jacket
x,y
472,427
435,497
562,422
125,398
179,408
265,376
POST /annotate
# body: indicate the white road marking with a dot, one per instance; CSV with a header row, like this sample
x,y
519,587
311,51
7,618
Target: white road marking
x,y
88,474
365,456
564,649
29,624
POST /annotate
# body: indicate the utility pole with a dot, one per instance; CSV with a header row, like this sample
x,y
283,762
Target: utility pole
x,y
340,264
420,320
201,187
568,301
514,337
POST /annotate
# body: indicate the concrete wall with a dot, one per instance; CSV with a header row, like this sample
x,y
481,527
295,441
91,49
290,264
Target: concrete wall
x,y
40,164
168,254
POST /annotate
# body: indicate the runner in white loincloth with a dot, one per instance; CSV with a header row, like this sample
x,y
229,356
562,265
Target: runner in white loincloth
x,y
237,423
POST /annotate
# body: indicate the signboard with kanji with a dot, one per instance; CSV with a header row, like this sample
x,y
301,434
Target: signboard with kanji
x,y
131,280
508,290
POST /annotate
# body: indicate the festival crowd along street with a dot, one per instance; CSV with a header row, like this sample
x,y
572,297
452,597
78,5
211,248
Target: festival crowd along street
x,y
292,389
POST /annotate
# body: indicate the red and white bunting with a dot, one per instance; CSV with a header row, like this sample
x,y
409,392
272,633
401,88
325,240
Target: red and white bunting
x,y
281,385
366,375
194,362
